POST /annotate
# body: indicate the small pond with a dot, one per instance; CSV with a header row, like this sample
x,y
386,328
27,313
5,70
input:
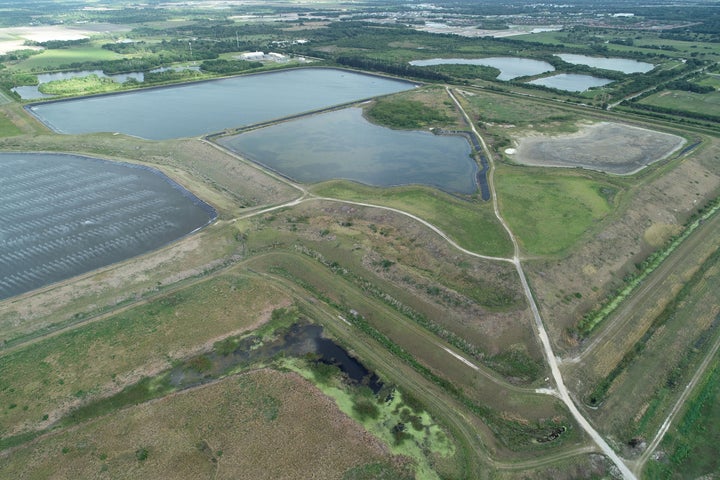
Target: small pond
x,y
571,82
624,65
199,108
510,67
299,340
64,215
342,144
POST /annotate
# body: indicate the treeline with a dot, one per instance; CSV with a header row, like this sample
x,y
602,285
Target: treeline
x,y
226,67
672,111
398,69
61,44
686,86
653,79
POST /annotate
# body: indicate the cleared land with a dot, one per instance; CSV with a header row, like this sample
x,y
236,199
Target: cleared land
x,y
606,147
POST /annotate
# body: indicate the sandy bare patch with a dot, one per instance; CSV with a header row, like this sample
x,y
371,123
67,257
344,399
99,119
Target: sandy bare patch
x,y
606,146
13,38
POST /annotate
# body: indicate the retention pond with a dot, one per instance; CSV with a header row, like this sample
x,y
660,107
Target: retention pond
x,y
342,144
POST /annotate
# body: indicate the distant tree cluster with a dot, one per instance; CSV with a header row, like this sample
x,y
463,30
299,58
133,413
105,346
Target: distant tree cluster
x,y
399,69
226,67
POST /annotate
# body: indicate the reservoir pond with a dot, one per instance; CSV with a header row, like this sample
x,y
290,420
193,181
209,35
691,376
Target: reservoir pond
x,y
343,145
64,215
624,65
510,67
200,108
571,82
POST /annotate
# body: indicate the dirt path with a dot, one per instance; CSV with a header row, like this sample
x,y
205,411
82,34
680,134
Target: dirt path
x,y
689,388
540,327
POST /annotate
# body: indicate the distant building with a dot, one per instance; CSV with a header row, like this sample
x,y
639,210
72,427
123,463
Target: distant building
x,y
252,56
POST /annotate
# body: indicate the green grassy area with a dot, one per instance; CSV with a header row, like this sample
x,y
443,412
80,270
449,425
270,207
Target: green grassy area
x,y
471,224
551,211
85,362
80,86
7,127
407,114
395,418
691,446
4,98
648,43
702,103
57,58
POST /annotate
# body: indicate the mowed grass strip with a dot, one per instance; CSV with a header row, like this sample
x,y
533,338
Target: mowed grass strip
x,y
262,424
7,127
470,223
548,211
40,382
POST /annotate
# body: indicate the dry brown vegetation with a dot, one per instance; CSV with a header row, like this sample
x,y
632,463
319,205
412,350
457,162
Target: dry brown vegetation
x,y
262,424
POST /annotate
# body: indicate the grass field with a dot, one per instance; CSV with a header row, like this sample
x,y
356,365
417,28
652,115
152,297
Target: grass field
x,y
50,59
108,354
470,223
499,113
7,127
230,429
551,212
690,447
707,103
648,43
